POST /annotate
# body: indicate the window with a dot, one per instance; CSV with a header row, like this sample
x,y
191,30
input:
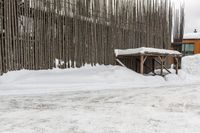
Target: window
x,y
188,49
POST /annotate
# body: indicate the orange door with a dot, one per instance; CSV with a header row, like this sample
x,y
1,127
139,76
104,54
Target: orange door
x,y
197,47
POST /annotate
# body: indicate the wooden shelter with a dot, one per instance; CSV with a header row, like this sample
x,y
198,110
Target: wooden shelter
x,y
149,58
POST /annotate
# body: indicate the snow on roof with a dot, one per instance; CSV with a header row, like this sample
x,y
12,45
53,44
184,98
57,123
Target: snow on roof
x,y
192,36
144,50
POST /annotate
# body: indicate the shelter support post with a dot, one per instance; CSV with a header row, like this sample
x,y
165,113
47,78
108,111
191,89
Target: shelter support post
x,y
142,61
118,61
141,64
161,64
176,64
153,65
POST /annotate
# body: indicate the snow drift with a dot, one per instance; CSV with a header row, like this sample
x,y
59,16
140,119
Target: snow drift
x,y
99,74
93,78
191,64
85,78
190,71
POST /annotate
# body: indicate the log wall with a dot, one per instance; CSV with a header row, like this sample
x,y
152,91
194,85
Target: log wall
x,y
33,33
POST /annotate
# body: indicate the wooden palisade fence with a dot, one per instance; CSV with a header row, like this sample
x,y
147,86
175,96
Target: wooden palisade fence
x,y
33,33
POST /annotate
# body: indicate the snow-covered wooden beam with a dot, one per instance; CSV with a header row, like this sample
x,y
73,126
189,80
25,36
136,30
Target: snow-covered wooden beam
x,y
145,50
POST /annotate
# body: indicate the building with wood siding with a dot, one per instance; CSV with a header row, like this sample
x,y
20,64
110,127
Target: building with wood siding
x,y
190,44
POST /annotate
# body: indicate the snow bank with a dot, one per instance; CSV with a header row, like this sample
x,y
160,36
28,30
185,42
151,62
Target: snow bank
x,y
191,64
93,78
144,50
87,74
190,71
85,78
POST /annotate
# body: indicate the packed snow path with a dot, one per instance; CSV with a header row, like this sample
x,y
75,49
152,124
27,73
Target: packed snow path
x,y
164,109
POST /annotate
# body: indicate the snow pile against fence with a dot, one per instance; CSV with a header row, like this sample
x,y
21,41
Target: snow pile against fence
x,y
93,78
144,50
85,78
87,74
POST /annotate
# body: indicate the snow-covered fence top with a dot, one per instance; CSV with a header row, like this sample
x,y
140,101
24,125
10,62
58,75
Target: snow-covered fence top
x,y
145,50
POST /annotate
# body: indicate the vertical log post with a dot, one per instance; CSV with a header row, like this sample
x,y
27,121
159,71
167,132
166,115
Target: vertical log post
x,y
136,64
153,65
176,63
161,64
141,64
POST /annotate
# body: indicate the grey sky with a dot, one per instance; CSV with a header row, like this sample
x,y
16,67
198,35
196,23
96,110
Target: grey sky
x,y
192,15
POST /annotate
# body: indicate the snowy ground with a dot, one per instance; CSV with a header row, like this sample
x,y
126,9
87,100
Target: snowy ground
x,y
142,110
102,99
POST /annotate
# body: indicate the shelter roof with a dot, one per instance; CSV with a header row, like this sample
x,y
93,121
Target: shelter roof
x,y
145,50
